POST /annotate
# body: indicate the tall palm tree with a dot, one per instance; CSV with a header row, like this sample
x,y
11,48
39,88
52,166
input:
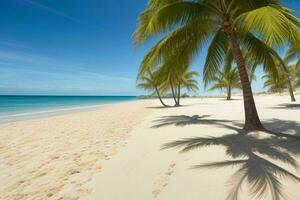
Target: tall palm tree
x,y
277,85
174,79
228,80
298,76
292,53
254,25
149,81
285,77
168,76
186,80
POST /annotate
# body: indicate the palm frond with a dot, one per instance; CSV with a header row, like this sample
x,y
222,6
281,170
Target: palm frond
x,y
215,56
274,24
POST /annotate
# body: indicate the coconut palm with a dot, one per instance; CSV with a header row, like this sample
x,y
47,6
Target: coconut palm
x,y
228,80
175,78
149,82
285,78
297,75
186,25
169,77
186,80
277,85
291,54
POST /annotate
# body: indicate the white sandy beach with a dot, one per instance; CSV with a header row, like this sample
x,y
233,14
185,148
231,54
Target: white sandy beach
x,y
114,153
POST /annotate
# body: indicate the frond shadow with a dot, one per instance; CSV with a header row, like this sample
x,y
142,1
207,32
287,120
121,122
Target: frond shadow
x,y
280,128
283,126
286,106
184,120
253,156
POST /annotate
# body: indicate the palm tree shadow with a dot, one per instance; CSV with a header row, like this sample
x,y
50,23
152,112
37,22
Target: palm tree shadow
x,y
283,126
280,128
286,106
184,120
253,156
166,107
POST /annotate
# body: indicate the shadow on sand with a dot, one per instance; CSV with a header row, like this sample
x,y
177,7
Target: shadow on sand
x,y
253,154
286,106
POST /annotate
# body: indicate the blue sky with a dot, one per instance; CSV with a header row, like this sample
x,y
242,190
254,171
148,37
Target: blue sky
x,y
78,47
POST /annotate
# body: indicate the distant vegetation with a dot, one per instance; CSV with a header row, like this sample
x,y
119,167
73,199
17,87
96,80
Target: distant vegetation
x,y
167,83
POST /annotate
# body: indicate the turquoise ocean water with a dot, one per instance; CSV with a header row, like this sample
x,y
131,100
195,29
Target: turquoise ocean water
x,y
14,108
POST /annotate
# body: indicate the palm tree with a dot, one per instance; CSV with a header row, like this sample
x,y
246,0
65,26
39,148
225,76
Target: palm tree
x,y
292,53
168,76
174,79
285,77
254,25
149,82
277,85
297,75
186,80
228,80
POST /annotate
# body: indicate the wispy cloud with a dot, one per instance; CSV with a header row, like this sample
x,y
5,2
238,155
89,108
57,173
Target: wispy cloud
x,y
11,43
47,9
10,62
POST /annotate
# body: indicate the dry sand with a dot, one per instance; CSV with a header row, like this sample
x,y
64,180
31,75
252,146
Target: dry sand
x,y
98,156
53,158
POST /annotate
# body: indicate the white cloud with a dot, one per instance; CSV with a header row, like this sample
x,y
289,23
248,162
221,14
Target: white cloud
x,y
47,9
10,62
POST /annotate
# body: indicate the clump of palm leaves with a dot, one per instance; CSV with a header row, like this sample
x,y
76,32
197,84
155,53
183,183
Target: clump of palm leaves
x,y
287,76
293,55
148,81
227,79
165,80
186,26
185,80
297,75
276,84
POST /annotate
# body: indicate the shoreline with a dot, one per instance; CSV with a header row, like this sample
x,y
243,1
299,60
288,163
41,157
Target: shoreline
x,y
7,119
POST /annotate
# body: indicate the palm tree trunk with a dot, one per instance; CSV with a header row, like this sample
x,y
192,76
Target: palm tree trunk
x,y
229,93
291,91
252,121
290,87
172,90
159,97
178,95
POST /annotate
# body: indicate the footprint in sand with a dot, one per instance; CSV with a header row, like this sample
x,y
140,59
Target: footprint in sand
x,y
163,180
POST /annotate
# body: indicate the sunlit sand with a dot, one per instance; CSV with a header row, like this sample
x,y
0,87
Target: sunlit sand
x,y
115,153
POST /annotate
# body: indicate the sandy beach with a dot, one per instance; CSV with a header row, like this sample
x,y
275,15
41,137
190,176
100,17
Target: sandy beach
x,y
115,152
53,158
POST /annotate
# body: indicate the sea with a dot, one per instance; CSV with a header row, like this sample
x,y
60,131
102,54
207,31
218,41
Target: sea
x,y
15,108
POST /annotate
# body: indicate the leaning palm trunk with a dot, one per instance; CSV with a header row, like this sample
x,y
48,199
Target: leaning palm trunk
x,y
173,93
159,97
252,121
290,88
289,83
229,93
178,96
